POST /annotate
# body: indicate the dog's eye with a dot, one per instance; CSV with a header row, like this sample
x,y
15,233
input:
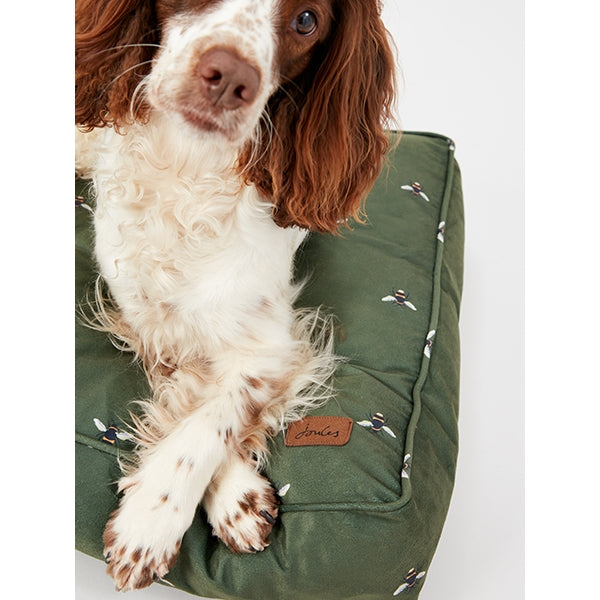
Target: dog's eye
x,y
305,23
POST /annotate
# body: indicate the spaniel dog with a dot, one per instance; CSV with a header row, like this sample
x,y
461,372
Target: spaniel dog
x,y
217,133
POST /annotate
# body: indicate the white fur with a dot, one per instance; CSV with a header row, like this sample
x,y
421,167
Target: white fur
x,y
187,37
203,279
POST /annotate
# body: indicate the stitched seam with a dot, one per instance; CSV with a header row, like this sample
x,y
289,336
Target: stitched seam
x,y
421,379
86,440
433,320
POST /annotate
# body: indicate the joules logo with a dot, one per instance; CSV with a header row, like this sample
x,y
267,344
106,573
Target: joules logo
x,y
319,431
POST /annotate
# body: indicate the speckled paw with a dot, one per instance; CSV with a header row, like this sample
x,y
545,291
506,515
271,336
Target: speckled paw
x,y
242,511
135,567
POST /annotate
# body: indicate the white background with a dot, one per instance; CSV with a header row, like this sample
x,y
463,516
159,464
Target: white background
x,y
461,76
462,63
463,68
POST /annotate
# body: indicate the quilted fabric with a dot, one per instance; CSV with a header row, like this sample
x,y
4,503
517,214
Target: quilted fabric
x,y
361,520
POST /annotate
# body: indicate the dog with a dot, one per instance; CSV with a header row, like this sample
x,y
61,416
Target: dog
x,y
217,134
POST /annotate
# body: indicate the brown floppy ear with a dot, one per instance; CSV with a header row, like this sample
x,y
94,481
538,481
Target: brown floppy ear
x,y
114,44
329,141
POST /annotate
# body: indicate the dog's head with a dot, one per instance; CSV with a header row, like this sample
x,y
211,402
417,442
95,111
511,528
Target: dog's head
x,y
303,88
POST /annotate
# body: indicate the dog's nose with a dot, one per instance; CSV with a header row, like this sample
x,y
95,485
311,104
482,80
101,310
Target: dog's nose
x,y
228,81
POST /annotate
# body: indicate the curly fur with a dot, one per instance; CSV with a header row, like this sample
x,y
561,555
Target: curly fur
x,y
217,133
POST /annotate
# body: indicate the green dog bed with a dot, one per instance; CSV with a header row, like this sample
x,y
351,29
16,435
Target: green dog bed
x,y
364,495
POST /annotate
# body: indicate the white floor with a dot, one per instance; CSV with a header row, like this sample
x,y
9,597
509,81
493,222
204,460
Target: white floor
x,y
92,583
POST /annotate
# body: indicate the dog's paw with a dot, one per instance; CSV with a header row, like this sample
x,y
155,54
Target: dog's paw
x,y
242,508
142,538
135,567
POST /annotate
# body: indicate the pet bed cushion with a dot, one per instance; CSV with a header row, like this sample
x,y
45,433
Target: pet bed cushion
x,y
359,520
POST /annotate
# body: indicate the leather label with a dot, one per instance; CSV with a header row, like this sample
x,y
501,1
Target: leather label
x,y
319,431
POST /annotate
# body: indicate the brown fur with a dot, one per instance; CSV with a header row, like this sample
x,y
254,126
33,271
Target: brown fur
x,y
329,141
114,44
264,509
316,153
121,571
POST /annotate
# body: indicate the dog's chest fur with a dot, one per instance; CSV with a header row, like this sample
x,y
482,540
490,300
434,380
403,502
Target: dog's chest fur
x,y
179,237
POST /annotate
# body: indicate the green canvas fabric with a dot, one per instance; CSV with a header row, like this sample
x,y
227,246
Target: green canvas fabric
x,y
359,521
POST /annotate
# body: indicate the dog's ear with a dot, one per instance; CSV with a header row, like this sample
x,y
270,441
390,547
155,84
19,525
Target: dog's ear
x,y
329,139
114,44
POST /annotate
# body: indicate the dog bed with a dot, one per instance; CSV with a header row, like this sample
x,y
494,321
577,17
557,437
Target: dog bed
x,y
366,480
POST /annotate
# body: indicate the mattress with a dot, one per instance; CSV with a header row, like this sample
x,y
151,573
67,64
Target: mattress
x,y
366,479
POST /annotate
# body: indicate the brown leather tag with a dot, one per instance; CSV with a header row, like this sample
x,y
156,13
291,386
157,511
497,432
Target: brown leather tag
x,y
319,431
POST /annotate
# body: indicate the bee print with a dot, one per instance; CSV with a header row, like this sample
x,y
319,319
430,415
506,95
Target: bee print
x,y
406,467
416,189
284,490
111,434
410,580
441,231
400,297
80,202
429,343
377,423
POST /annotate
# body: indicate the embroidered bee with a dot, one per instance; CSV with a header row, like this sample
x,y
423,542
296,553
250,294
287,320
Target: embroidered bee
x,y
429,343
410,580
441,231
111,434
406,467
377,423
284,490
80,201
400,297
416,189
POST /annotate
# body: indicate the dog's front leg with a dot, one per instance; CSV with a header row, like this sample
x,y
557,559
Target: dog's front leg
x,y
143,536
241,505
